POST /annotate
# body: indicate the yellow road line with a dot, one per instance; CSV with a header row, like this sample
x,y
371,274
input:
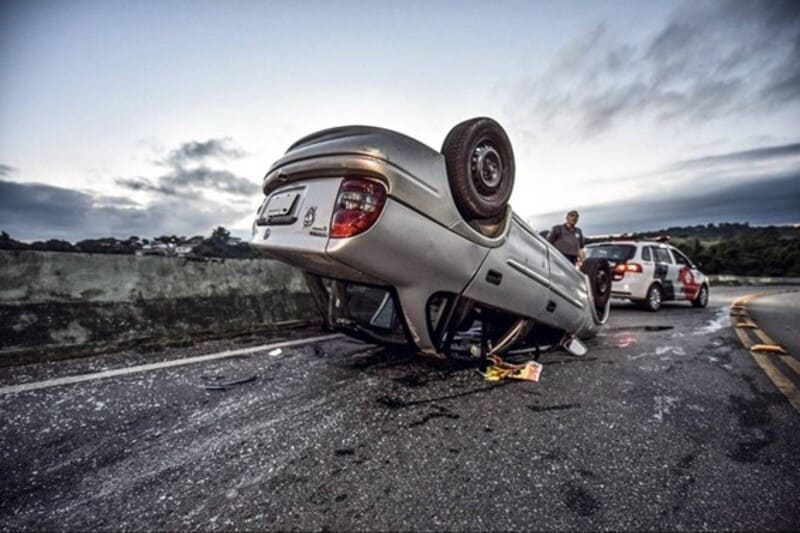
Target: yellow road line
x,y
744,337
766,339
743,324
782,382
792,363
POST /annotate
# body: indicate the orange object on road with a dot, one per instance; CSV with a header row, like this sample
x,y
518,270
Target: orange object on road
x,y
530,371
768,348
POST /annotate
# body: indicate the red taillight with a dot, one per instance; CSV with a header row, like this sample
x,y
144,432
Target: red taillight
x,y
622,268
358,206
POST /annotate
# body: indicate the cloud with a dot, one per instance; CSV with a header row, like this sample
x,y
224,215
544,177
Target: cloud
x,y
745,156
710,173
189,197
31,211
194,151
766,200
189,173
144,184
183,181
206,178
708,60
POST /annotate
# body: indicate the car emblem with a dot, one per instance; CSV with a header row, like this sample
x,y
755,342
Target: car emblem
x,y
309,218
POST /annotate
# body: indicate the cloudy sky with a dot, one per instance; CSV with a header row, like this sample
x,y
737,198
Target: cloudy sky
x,y
148,117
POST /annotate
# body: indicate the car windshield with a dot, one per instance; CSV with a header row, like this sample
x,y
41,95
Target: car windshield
x,y
612,252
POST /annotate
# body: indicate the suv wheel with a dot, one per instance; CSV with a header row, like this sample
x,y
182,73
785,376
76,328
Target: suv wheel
x,y
701,300
652,302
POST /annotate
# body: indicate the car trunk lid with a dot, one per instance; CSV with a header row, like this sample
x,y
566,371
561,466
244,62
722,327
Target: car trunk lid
x,y
294,220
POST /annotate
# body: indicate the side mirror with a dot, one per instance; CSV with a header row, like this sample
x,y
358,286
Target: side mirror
x,y
575,347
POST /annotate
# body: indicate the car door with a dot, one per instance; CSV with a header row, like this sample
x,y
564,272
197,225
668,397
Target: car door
x,y
665,271
516,275
688,278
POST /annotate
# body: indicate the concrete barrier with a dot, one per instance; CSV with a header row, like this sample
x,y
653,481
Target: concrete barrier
x,y
728,279
70,303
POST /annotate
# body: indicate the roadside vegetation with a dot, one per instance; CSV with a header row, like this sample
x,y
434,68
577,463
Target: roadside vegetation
x,y
759,252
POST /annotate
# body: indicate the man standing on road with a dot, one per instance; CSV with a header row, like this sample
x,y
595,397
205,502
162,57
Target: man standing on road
x,y
568,239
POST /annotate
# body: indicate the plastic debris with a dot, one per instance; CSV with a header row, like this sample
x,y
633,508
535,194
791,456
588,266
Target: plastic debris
x,y
530,371
276,351
216,383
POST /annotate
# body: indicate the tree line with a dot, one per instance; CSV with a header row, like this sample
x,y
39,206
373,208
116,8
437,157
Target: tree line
x,y
726,248
752,255
219,244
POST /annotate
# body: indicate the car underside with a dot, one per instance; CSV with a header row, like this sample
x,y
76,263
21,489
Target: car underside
x,y
401,243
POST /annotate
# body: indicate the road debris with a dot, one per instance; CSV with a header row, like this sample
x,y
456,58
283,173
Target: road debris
x,y
217,383
275,352
530,371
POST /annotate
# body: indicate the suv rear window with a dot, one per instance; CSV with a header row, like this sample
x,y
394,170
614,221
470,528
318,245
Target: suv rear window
x,y
612,252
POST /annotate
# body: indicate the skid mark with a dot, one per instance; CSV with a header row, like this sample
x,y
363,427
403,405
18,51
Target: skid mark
x,y
563,407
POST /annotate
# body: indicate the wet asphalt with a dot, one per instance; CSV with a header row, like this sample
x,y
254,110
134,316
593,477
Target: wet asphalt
x,y
779,316
667,424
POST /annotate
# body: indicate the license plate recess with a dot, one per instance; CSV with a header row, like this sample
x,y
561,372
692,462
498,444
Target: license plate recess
x,y
281,204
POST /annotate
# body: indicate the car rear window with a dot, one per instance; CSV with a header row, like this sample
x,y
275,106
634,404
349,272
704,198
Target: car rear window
x,y
612,252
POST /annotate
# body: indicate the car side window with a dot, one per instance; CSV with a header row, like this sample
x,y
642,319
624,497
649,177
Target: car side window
x,y
680,258
646,256
662,255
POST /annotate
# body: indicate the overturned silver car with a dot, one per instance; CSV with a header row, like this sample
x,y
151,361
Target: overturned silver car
x,y
401,243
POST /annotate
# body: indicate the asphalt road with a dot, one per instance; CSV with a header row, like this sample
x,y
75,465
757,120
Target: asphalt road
x,y
667,423
779,316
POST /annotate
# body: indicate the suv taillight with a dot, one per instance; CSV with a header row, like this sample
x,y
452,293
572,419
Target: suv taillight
x,y
358,206
622,268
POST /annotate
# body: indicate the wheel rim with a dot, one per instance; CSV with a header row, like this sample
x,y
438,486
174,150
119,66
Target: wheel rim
x,y
486,167
655,297
703,296
601,282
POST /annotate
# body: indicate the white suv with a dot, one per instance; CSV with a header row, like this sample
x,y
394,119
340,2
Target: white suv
x,y
650,273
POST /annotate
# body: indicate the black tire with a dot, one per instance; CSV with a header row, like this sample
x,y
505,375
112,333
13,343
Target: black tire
x,y
599,272
480,167
653,298
701,300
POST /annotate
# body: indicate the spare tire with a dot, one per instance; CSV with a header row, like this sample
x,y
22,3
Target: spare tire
x,y
599,272
480,167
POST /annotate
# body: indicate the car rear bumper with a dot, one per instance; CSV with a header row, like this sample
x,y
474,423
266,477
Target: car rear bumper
x,y
630,287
